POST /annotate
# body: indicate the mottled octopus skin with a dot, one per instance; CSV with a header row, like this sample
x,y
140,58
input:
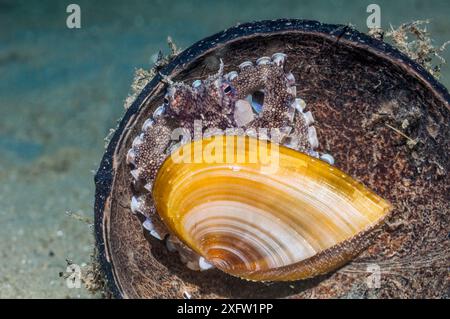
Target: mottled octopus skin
x,y
212,102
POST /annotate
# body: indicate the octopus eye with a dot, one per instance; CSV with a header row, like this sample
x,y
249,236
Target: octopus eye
x,y
166,101
227,89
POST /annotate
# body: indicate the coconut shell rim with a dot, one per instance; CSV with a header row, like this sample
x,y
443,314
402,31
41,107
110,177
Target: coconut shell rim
x,y
104,177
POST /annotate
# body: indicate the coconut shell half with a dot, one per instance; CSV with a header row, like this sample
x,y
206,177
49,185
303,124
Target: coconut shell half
x,y
381,115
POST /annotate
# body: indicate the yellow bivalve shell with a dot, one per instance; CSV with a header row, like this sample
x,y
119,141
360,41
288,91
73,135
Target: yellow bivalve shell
x,y
264,212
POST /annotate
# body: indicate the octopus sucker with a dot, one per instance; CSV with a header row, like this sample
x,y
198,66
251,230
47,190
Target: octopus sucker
x,y
255,104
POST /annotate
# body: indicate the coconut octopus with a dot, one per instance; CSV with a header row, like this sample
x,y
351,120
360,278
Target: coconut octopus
x,y
259,101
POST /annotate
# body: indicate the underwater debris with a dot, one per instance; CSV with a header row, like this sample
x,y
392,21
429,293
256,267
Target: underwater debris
x,y
108,137
410,142
90,273
377,33
266,227
421,48
227,101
